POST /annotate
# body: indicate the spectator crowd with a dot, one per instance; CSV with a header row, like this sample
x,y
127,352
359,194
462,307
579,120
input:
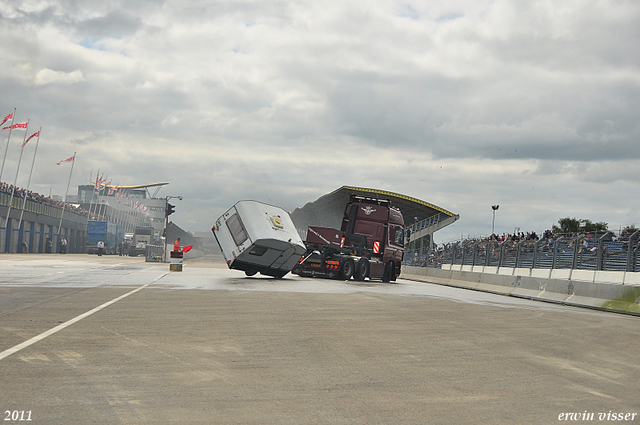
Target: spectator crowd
x,y
586,243
41,199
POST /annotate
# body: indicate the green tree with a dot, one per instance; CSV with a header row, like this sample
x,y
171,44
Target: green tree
x,y
570,225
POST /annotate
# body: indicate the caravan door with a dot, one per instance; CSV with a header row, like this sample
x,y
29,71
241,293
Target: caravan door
x,y
284,257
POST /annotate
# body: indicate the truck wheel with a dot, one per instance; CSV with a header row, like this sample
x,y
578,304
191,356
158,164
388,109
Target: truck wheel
x,y
250,272
347,269
389,272
392,272
362,269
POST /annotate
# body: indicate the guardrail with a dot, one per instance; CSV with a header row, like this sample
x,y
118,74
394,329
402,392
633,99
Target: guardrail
x,y
579,252
600,293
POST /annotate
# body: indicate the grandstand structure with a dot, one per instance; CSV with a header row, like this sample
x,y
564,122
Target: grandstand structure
x,y
554,252
422,219
37,224
125,206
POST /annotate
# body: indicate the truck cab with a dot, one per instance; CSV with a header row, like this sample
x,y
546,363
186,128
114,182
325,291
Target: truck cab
x,y
370,243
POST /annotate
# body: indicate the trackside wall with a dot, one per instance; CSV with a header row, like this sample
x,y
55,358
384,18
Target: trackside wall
x,y
583,291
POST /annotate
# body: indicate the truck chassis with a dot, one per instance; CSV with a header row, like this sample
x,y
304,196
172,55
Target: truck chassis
x,y
339,263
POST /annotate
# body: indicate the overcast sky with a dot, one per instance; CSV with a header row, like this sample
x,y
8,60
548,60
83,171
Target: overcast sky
x,y
532,105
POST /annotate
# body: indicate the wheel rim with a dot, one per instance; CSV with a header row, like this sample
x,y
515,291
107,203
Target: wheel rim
x,y
347,270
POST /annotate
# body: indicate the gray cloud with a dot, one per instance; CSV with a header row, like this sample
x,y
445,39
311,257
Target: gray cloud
x,y
113,24
459,103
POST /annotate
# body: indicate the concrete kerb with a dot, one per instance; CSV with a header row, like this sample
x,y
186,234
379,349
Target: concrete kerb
x,y
528,287
440,276
464,279
605,296
496,283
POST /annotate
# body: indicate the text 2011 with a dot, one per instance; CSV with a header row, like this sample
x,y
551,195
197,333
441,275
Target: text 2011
x,y
17,415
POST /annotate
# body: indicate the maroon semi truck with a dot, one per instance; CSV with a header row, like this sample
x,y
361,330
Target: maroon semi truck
x,y
370,243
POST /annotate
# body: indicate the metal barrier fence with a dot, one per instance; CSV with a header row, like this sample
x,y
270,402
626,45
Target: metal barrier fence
x,y
579,252
154,253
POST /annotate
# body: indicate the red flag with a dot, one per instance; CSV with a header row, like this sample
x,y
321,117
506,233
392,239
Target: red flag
x,y
187,248
71,158
19,125
7,118
36,134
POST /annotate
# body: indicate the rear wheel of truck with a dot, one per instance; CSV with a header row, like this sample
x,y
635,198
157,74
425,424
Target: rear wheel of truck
x,y
250,272
389,273
362,269
347,269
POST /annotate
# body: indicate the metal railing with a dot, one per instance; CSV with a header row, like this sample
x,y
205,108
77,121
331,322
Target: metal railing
x,y
427,222
576,252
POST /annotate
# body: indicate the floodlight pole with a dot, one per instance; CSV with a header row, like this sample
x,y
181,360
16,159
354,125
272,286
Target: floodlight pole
x,y
493,224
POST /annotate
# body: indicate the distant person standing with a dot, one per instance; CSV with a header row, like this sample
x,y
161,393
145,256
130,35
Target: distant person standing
x,y
120,249
100,248
176,245
64,245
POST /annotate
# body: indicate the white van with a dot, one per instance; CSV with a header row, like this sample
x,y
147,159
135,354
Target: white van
x,y
256,237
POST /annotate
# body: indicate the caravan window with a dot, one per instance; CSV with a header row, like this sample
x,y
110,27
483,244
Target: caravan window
x,y
238,232
258,250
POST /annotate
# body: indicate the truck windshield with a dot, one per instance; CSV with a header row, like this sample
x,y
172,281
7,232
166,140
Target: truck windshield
x,y
396,235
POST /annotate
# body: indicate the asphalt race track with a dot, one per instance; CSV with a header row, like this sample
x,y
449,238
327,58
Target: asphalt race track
x,y
115,340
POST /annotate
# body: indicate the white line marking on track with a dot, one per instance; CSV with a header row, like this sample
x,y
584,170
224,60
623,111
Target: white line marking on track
x,y
27,343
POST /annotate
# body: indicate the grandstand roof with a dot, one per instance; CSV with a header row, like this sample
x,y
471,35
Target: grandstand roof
x,y
137,186
328,209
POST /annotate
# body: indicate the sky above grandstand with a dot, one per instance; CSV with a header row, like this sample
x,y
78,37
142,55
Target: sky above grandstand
x,y
465,104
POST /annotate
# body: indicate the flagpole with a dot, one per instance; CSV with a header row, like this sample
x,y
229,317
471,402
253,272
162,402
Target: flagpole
x,y
64,204
100,204
13,190
13,117
24,202
93,194
103,209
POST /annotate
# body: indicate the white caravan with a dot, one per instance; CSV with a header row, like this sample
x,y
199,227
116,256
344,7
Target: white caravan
x,y
256,237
